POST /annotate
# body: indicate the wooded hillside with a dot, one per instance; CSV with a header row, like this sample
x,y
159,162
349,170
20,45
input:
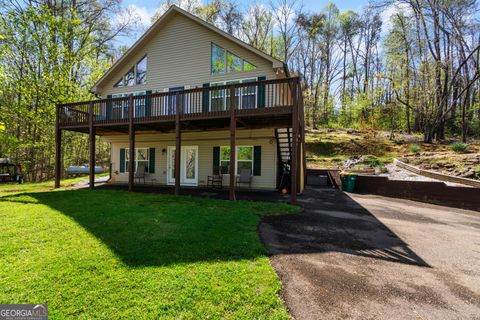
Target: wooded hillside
x,y
402,66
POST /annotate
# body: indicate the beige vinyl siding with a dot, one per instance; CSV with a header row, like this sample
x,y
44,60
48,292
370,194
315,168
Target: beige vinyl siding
x,y
205,142
180,55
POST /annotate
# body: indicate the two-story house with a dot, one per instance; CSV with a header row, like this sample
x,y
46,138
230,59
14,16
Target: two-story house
x,y
187,102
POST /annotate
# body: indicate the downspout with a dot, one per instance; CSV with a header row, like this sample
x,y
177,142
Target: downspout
x,y
285,69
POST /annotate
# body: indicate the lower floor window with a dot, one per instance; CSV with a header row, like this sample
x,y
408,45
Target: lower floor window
x,y
141,159
244,159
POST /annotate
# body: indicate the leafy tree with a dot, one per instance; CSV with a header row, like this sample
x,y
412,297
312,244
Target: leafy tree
x,y
52,52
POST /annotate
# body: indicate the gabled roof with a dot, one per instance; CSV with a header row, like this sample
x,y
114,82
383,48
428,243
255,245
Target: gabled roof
x,y
159,23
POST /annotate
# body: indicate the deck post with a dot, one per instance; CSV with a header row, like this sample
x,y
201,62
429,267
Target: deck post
x,y
91,166
58,149
178,143
304,155
233,127
131,150
302,128
294,160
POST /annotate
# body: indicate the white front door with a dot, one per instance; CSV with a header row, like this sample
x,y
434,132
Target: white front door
x,y
188,165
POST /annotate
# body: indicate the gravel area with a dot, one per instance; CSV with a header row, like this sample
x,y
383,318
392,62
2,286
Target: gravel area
x,y
397,173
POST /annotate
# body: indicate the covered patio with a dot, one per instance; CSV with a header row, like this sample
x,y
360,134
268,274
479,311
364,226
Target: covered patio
x,y
279,105
214,193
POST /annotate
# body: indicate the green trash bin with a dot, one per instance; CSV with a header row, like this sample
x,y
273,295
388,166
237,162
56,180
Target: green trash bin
x,y
348,182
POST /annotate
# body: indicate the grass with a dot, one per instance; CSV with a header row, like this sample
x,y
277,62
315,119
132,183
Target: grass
x,y
414,149
113,254
374,162
459,147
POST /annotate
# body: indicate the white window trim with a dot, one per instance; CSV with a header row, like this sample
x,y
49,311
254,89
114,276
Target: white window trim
x,y
186,97
127,150
224,83
236,158
123,105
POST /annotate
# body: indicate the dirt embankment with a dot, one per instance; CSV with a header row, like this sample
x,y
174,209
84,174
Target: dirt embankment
x,y
332,148
460,165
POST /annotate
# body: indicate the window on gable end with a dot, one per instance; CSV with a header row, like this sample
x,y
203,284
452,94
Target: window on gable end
x,y
247,66
218,59
130,78
119,83
234,62
142,71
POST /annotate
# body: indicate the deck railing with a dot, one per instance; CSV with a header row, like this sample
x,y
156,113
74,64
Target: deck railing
x,y
256,97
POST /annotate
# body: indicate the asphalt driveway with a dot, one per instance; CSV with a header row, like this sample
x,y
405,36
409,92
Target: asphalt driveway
x,y
370,257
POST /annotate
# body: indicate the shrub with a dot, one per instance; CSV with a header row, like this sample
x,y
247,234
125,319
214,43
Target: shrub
x,y
477,170
459,147
414,149
374,162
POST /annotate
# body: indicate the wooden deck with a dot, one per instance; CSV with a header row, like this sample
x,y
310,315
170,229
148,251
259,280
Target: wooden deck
x,y
256,105
260,104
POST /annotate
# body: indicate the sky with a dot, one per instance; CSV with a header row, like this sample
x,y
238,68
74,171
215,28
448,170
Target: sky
x,y
310,5
146,9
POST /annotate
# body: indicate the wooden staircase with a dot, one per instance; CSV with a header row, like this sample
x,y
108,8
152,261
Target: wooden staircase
x,y
284,149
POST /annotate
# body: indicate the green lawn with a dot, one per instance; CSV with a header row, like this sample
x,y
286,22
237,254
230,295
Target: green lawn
x,y
114,254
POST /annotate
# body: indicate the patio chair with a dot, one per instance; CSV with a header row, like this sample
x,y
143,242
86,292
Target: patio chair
x,y
140,174
245,177
215,180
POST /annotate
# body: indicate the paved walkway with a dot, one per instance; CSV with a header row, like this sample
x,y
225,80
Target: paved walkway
x,y
370,257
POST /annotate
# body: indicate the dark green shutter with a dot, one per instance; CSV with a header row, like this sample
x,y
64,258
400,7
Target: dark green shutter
x,y
151,161
257,160
148,103
108,111
216,160
261,93
122,160
205,97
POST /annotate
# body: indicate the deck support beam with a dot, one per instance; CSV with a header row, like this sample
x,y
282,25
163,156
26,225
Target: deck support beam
x,y
131,150
295,154
233,127
58,150
91,166
178,143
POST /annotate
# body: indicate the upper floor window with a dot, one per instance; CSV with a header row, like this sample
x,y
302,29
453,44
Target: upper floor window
x,y
130,78
119,83
245,96
226,61
136,75
218,59
234,62
247,66
142,71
